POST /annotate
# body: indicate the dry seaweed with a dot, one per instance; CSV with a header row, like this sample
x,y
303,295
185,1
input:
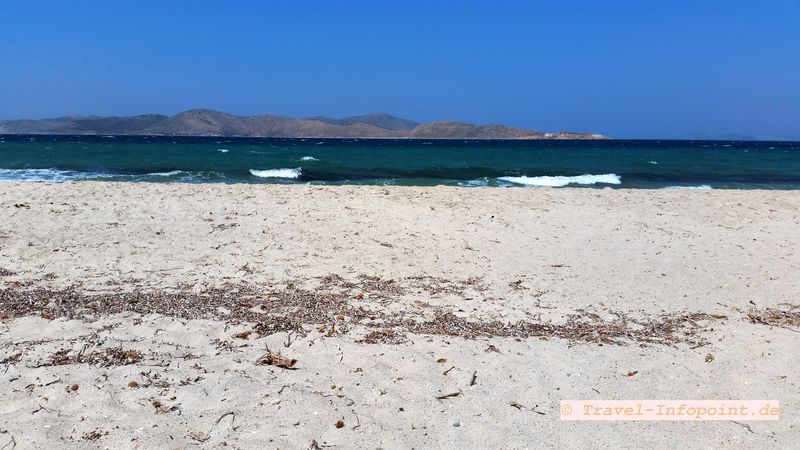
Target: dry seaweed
x,y
384,336
271,358
334,304
776,317
109,357
12,359
94,435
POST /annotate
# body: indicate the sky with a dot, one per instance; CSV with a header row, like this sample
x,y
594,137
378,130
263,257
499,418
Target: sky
x,y
625,68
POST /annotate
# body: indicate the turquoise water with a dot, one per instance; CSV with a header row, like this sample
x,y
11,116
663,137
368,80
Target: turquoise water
x,y
616,164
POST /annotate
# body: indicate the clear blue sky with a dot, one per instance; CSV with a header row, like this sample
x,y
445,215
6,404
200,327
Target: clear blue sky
x,y
627,68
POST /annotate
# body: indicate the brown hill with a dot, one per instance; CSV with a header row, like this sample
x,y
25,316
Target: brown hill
x,y
206,122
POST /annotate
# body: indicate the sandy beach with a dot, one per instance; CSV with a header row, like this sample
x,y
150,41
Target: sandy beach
x,y
138,315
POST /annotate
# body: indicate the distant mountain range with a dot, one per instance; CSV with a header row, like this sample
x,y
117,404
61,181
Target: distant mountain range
x,y
206,122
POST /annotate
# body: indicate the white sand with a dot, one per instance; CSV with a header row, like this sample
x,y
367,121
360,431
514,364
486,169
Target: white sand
x,y
640,252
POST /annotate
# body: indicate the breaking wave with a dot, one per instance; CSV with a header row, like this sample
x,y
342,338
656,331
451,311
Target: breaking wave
x,y
277,173
52,175
166,174
701,187
558,181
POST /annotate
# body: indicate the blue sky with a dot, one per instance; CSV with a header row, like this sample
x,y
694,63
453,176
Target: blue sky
x,y
630,69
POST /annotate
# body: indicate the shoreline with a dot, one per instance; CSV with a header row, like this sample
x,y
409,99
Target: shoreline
x,y
252,315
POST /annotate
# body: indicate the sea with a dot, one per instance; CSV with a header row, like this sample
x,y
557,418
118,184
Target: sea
x,y
637,164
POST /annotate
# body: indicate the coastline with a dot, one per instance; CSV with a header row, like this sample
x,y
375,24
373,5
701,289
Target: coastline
x,y
417,275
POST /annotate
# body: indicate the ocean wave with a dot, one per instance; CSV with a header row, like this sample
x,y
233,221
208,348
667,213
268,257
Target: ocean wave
x,y
51,175
701,187
277,173
308,158
166,174
478,182
557,181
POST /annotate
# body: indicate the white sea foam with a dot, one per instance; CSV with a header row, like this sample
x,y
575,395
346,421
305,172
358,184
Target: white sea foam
x,y
701,187
223,150
52,175
166,174
652,162
556,181
277,173
308,158
478,182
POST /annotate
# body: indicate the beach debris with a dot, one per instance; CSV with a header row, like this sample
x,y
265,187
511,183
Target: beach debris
x,y
331,330
317,446
22,205
12,359
243,335
199,436
223,226
517,285
6,273
340,423
109,357
271,358
133,385
521,408
457,423
450,395
631,373
163,409
233,419
12,442
441,360
709,357
278,309
788,317
384,336
94,435
41,408
73,388
224,345
744,425
474,378
278,324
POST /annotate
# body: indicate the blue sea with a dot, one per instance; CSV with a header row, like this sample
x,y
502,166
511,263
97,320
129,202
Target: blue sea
x,y
470,163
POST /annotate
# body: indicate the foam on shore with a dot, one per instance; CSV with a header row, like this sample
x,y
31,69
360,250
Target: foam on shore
x,y
276,173
700,187
52,175
558,181
166,174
